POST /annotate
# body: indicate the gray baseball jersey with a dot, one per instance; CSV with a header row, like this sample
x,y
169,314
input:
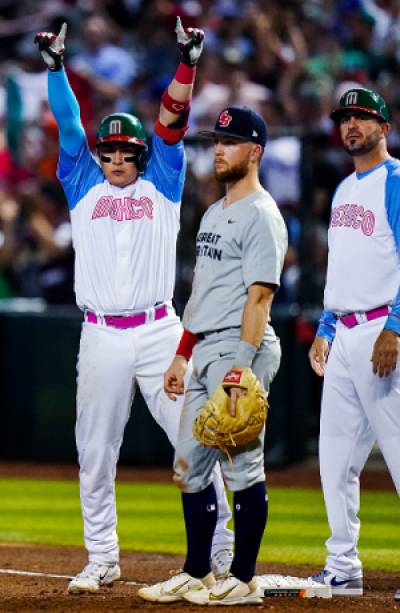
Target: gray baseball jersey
x,y
236,246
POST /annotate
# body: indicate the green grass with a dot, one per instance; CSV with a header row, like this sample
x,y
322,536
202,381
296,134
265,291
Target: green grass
x,y
150,519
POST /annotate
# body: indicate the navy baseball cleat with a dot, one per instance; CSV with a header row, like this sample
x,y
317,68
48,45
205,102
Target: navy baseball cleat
x,y
340,587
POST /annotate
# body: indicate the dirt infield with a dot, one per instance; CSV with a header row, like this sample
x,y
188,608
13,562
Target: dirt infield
x,y
36,593
28,593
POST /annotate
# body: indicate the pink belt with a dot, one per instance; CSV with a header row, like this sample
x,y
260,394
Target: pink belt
x,y
353,319
127,321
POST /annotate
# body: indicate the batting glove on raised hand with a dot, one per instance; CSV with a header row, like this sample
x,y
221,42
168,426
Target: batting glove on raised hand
x,y
190,43
52,47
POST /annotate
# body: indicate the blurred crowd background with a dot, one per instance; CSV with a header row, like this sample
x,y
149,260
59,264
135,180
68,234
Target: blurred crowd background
x,y
290,60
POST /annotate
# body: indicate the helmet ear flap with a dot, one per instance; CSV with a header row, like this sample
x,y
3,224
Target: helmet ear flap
x,y
141,159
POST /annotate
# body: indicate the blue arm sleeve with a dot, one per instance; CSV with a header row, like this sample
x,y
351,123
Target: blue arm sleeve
x,y
392,202
65,109
327,325
167,168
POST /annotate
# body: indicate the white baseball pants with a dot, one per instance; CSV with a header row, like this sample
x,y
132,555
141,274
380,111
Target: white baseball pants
x,y
358,408
110,364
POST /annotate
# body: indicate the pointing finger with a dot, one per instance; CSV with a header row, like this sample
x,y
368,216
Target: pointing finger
x,y
180,32
62,33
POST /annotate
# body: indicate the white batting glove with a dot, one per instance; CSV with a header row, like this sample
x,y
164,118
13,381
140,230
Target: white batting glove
x,y
190,43
51,47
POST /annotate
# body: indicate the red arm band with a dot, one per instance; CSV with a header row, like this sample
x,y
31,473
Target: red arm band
x,y
170,135
185,74
174,106
186,344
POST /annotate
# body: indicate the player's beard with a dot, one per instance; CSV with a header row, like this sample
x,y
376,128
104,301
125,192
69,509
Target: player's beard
x,y
234,173
368,145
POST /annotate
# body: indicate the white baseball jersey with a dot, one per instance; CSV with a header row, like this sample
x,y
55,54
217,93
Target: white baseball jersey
x,y
359,407
124,236
364,265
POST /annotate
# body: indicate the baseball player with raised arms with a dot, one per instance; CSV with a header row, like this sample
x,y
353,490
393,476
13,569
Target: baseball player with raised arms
x,y
125,220
240,249
359,329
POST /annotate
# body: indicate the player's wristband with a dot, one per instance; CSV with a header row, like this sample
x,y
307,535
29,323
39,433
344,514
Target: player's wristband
x,y
170,135
186,344
175,106
245,354
185,74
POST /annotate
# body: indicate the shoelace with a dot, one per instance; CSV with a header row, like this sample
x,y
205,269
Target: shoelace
x,y
170,583
219,586
91,570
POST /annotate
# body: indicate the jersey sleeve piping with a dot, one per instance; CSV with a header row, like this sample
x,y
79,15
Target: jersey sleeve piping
x,y
327,325
392,204
65,109
166,169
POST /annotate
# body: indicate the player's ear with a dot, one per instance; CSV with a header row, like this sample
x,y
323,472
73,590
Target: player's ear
x,y
256,153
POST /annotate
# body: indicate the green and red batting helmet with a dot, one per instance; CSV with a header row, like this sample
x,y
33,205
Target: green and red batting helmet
x,y
123,127
365,100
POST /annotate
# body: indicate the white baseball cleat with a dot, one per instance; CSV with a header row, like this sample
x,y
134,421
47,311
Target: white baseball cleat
x,y
174,589
93,576
350,586
221,562
227,591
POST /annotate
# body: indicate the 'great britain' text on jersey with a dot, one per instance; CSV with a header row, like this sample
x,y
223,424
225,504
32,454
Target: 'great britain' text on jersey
x,y
203,248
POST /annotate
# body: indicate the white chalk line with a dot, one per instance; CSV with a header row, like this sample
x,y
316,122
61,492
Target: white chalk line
x,y
30,573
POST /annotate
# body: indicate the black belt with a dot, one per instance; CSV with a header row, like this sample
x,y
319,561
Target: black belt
x,y
202,335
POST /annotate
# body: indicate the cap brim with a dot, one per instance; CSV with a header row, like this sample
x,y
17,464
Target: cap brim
x,y
210,134
133,140
337,113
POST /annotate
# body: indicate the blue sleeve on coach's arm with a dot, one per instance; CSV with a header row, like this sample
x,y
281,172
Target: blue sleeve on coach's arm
x,y
327,325
167,168
392,202
65,109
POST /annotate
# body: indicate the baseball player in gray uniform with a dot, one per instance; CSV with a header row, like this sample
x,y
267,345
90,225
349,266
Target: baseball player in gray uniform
x,y
240,246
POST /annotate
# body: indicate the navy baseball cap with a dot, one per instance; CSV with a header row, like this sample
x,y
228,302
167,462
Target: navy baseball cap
x,y
240,122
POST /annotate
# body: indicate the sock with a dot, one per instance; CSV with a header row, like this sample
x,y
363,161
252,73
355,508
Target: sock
x,y
200,512
250,516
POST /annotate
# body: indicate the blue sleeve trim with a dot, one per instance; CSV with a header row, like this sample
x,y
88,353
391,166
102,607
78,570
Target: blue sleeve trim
x,y
65,109
393,319
78,174
167,168
327,325
392,203
392,198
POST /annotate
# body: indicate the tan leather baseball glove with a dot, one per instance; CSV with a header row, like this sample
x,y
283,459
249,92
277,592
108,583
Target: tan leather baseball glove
x,y
215,427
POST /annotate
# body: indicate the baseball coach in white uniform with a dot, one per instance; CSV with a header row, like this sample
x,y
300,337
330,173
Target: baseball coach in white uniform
x,y
359,330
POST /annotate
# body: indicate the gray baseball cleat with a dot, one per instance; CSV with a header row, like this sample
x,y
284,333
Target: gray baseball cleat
x,y
397,595
93,576
340,587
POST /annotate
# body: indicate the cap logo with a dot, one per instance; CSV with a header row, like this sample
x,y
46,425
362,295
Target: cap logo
x,y
115,126
255,133
224,119
351,98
